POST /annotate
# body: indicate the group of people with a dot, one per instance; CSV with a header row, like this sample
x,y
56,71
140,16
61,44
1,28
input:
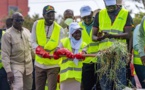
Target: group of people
x,y
58,50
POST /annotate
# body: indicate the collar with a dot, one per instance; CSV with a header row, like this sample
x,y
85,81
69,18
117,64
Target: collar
x,y
50,25
16,30
89,24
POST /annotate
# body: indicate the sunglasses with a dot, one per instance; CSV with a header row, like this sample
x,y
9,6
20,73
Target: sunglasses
x,y
87,17
19,20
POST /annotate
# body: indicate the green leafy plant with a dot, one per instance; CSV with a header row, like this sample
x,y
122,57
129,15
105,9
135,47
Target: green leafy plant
x,y
111,60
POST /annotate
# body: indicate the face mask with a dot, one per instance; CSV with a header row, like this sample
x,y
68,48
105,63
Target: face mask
x,y
68,21
74,40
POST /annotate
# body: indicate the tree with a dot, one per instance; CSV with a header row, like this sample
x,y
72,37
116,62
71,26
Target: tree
x,y
28,23
141,1
138,18
134,6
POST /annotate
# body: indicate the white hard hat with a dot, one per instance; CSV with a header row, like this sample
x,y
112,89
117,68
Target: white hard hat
x,y
110,2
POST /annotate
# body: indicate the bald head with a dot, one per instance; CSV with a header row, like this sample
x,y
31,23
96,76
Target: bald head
x,y
18,20
17,14
68,14
68,11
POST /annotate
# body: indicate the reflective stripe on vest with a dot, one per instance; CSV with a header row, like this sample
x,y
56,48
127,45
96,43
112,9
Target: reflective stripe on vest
x,y
105,24
1,65
49,45
92,46
68,69
137,59
66,60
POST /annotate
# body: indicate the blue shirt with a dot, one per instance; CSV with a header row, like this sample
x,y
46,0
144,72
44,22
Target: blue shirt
x,y
88,27
141,38
135,37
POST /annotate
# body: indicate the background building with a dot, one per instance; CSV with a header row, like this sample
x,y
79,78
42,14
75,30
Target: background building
x,y
7,7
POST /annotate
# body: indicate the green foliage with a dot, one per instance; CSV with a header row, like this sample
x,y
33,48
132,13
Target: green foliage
x,y
28,23
111,60
138,18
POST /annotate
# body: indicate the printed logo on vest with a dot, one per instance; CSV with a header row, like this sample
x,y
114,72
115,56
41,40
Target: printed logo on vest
x,y
52,40
120,18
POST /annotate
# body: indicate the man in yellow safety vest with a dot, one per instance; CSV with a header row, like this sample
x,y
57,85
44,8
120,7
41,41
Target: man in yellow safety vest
x,y
46,34
88,69
139,60
116,25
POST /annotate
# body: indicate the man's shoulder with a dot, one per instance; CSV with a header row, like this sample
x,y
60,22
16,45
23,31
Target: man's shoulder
x,y
9,30
56,24
143,18
26,30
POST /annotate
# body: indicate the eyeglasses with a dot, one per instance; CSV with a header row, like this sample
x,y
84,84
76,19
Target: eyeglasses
x,y
19,20
87,17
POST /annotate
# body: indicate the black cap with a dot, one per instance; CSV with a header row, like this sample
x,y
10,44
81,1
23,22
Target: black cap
x,y
48,9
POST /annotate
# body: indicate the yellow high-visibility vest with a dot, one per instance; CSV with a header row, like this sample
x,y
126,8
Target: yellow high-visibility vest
x,y
68,69
49,45
92,46
1,65
106,25
137,59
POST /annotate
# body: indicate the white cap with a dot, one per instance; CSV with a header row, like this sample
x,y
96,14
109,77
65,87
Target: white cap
x,y
85,11
119,2
73,27
110,2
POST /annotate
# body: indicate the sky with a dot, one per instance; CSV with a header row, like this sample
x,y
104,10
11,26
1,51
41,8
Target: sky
x,y
36,6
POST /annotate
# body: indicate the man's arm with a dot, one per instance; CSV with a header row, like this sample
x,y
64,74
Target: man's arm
x,y
126,35
6,52
141,38
96,35
33,37
141,43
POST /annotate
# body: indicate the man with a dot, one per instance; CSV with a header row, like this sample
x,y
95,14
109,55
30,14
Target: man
x,y
119,3
16,54
9,22
112,23
136,60
88,70
46,34
68,17
3,76
140,66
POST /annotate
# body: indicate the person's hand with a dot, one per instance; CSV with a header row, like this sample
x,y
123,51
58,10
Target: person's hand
x,y
100,34
39,50
143,60
107,35
61,51
55,55
10,77
79,56
70,55
45,54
